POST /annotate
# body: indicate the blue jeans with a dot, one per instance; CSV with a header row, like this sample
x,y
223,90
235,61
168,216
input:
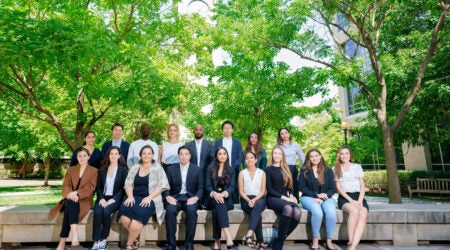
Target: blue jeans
x,y
317,210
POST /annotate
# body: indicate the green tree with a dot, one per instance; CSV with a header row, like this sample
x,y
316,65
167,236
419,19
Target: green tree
x,y
368,25
252,88
68,64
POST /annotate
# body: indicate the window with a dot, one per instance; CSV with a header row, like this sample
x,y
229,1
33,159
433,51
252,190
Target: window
x,y
342,22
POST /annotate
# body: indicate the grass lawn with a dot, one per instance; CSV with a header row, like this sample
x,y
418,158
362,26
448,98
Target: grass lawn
x,y
44,195
28,188
34,199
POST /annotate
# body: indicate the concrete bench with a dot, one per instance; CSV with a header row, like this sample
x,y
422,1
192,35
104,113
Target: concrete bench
x,y
429,186
402,225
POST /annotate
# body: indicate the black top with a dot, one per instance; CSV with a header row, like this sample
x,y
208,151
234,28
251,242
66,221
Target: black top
x,y
94,159
274,183
309,186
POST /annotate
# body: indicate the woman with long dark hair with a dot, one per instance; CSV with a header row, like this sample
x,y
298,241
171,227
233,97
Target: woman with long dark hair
x,y
111,180
280,197
316,182
220,187
349,179
254,145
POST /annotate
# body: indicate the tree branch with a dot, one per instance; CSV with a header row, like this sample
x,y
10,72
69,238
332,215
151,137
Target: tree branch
x,y
418,80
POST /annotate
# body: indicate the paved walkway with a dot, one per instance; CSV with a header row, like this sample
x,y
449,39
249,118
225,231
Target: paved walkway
x,y
296,246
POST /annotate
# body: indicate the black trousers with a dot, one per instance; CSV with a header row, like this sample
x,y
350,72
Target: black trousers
x,y
71,210
102,219
255,223
220,216
191,220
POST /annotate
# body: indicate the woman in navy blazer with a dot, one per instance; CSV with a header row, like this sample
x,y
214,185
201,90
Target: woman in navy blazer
x,y
220,187
111,180
316,182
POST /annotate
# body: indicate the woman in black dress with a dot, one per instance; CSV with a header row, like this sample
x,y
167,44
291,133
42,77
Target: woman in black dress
x,y
144,184
89,141
280,197
220,187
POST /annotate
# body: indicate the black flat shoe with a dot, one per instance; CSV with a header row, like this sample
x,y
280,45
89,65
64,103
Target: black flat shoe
x,y
231,247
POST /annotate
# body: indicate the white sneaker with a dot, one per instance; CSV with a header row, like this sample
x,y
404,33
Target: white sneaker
x,y
95,246
103,245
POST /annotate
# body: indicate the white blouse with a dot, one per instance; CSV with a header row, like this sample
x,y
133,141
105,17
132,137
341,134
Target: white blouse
x,y
350,179
252,186
109,184
170,153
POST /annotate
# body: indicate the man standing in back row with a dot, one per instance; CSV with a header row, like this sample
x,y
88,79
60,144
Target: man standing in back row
x,y
117,132
136,146
201,150
234,148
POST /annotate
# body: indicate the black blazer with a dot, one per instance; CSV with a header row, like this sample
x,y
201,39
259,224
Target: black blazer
x,y
119,182
212,185
194,181
206,154
124,146
309,186
236,157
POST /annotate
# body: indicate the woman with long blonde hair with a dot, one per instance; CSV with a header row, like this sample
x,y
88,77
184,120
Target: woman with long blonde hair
x,y
349,179
280,197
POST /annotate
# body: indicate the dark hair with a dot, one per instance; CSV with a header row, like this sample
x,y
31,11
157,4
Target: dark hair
x,y
106,162
86,134
279,140
321,167
184,147
228,122
258,146
226,173
83,149
249,152
142,149
116,124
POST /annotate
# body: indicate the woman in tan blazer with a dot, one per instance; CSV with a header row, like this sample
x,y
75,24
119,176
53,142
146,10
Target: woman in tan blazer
x,y
78,190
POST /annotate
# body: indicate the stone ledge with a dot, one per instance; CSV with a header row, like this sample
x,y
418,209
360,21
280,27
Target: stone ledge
x,y
387,222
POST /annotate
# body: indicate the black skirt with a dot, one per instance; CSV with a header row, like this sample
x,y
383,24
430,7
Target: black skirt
x,y
354,196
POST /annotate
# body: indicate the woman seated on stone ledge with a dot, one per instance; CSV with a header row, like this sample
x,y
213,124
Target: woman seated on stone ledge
x,y
111,180
349,178
252,188
219,187
78,190
144,184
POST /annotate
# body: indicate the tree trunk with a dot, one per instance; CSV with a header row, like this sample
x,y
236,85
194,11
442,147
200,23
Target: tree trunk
x,y
394,190
47,169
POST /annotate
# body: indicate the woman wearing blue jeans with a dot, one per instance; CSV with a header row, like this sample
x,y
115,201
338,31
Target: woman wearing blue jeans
x,y
316,182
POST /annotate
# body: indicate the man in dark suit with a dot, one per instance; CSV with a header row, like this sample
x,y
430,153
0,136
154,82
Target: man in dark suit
x,y
201,150
117,132
186,191
234,148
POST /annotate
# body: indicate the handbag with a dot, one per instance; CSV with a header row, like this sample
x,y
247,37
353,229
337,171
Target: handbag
x,y
54,211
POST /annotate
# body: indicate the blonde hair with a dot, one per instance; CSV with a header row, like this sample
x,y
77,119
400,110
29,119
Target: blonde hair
x,y
287,175
176,127
337,163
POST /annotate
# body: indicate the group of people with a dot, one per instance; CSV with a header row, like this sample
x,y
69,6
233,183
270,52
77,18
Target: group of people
x,y
142,180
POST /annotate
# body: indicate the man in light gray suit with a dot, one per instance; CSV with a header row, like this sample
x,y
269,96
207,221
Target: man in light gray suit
x,y
201,152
